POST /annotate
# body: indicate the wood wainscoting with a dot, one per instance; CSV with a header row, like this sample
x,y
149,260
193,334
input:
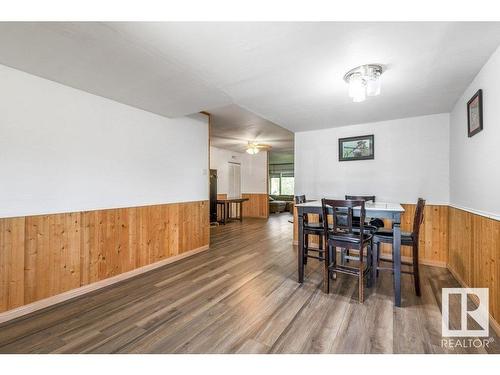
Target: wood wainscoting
x,y
433,241
433,234
474,255
256,206
46,255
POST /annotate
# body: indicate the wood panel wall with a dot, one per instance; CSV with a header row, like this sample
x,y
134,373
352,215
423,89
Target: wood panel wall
x,y
433,241
42,256
11,262
474,254
256,206
433,235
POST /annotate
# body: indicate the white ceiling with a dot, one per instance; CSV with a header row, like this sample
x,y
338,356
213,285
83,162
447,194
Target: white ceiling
x,y
232,127
288,73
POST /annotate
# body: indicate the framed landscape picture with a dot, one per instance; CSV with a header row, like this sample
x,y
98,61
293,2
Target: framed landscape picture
x,y
357,148
475,113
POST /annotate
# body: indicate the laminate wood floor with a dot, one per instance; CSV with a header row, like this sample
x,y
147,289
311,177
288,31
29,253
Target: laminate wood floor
x,y
241,296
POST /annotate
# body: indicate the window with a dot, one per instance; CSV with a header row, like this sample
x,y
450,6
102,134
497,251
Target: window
x,y
281,179
274,187
287,185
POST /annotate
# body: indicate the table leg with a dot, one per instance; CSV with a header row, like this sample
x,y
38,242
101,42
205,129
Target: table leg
x,y
300,253
396,245
241,211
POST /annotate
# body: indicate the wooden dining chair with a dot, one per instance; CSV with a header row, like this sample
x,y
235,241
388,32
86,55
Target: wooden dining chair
x,y
342,234
366,198
374,222
385,235
313,229
368,227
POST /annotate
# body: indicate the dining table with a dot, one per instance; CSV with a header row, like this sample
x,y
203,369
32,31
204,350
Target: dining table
x,y
381,210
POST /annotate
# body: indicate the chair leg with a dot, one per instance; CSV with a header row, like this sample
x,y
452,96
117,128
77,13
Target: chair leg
x,y
378,257
374,272
369,263
332,255
306,245
326,271
321,253
416,276
361,289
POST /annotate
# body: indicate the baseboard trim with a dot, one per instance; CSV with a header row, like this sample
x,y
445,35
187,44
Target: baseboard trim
x,y
403,258
488,215
53,300
493,322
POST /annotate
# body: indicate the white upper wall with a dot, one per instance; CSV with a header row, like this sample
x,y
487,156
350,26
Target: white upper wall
x,y
475,161
219,160
64,150
411,161
253,170
254,173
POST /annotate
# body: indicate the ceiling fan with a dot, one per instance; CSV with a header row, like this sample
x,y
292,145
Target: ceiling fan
x,y
253,147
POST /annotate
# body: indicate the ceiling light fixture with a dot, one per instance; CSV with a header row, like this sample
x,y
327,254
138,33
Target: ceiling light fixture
x,y
254,148
363,81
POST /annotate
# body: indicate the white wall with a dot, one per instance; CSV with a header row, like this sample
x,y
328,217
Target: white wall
x,y
253,170
411,161
219,160
254,173
64,150
475,161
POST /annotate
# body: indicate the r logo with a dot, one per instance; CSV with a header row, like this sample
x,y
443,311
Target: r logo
x,y
480,315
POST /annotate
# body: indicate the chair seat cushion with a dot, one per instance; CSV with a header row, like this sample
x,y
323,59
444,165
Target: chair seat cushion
x,y
313,225
366,228
376,222
386,233
379,223
348,237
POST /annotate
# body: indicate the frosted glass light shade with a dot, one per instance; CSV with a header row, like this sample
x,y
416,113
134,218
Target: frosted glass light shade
x,y
363,81
373,87
360,97
356,87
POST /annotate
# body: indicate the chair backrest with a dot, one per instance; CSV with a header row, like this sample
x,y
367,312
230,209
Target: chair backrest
x,y
418,218
366,198
300,199
341,212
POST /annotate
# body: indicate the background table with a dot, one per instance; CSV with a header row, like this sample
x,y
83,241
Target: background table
x,y
227,208
391,211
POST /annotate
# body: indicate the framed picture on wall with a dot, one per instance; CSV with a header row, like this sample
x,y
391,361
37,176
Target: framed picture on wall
x,y
357,148
475,113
